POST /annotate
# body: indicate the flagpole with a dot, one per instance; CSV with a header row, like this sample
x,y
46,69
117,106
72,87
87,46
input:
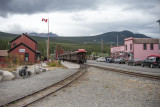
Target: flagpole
x,y
48,41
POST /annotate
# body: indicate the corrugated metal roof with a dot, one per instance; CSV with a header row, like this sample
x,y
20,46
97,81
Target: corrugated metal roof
x,y
3,52
145,40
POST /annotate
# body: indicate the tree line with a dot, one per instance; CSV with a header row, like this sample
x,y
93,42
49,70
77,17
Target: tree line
x,y
67,46
4,44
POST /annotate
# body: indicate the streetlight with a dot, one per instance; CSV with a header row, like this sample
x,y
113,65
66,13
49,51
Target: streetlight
x,y
159,34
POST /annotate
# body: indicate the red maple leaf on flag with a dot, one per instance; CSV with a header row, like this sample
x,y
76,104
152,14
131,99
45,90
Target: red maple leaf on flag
x,y
43,19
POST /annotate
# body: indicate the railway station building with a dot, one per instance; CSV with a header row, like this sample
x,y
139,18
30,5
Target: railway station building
x,y
26,47
136,48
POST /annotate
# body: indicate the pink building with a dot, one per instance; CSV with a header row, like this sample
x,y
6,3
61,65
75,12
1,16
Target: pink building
x,y
117,51
136,48
140,48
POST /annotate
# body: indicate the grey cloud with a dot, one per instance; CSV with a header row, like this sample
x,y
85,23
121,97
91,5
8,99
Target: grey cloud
x,y
135,4
150,7
35,6
143,28
17,29
78,17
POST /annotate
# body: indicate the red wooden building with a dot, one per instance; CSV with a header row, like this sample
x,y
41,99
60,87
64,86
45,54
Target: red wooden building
x,y
25,46
3,55
3,58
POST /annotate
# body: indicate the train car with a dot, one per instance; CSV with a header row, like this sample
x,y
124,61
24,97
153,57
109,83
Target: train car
x,y
78,56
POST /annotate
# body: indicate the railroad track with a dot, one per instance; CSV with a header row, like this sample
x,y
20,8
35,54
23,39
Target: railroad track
x,y
127,72
29,99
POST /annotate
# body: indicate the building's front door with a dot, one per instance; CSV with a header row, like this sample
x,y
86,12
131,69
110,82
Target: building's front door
x,y
38,57
26,57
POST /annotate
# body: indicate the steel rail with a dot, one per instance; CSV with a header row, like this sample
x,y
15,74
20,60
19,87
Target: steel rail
x,y
127,72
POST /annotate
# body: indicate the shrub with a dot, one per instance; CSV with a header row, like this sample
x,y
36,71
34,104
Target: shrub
x,y
59,62
52,64
17,60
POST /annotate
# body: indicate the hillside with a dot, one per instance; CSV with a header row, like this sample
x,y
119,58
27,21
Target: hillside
x,y
106,37
90,43
7,36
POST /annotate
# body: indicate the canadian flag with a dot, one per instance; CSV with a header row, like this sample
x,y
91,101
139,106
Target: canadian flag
x,y
43,19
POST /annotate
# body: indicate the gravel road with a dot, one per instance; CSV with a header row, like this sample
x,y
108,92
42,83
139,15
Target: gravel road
x,y
11,90
99,88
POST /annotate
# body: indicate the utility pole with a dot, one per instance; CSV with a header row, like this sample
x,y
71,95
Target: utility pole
x,y
47,48
102,44
159,34
48,41
117,40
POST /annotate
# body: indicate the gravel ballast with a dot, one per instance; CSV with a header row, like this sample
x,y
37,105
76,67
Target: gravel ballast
x,y
137,69
99,88
11,90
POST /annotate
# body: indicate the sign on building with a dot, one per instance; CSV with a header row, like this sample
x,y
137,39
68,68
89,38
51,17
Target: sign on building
x,y
21,50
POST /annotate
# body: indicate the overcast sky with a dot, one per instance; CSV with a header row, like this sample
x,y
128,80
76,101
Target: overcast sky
x,y
80,17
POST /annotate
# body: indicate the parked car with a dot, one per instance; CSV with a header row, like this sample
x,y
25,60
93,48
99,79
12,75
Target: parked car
x,y
152,61
116,60
101,59
119,60
111,60
134,62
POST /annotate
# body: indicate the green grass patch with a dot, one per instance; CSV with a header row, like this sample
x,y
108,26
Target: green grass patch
x,y
55,63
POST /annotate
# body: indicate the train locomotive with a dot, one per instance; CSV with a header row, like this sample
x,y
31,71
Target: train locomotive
x,y
78,56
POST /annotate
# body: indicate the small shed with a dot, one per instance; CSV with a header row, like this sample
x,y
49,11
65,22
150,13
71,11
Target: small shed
x,y
3,55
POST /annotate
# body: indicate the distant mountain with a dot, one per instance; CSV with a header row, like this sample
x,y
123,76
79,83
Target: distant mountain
x,y
43,34
112,36
8,36
106,37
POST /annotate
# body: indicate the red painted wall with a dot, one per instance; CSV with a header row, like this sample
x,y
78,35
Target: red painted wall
x,y
26,41
31,53
2,59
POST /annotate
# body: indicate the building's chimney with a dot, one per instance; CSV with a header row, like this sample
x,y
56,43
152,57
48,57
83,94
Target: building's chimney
x,y
26,34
